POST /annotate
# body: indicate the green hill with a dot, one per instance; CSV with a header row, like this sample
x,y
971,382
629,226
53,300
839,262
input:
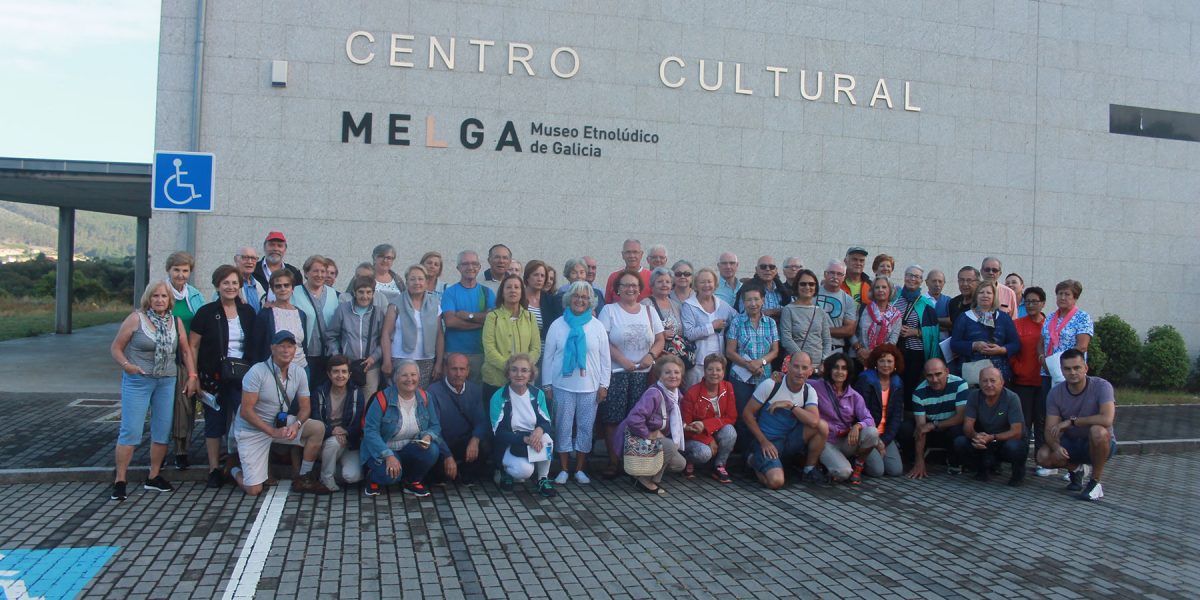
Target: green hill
x,y
36,227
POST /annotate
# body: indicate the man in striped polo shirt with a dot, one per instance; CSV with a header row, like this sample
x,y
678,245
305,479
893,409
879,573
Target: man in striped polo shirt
x,y
939,404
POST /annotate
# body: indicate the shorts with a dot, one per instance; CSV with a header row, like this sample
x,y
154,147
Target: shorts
x,y
1080,451
791,446
254,449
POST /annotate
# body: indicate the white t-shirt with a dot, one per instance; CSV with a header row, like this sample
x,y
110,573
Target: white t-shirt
x,y
237,339
632,334
784,394
523,418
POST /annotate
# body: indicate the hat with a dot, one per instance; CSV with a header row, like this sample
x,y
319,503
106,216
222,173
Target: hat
x,y
275,235
852,250
282,336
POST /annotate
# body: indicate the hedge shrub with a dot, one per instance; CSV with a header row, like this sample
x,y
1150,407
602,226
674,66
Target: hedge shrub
x,y
1119,341
1097,359
1164,359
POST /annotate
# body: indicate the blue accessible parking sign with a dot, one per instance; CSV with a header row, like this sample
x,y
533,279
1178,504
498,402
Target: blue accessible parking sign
x,y
183,181
50,574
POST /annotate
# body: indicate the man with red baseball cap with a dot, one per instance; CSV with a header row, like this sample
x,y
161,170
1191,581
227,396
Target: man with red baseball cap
x,y
274,247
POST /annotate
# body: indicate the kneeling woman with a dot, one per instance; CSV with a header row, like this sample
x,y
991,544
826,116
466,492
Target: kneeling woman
x,y
709,412
520,420
656,416
402,436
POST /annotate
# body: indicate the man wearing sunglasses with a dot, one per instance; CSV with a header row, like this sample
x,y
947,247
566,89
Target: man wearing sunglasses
x,y
775,291
1006,299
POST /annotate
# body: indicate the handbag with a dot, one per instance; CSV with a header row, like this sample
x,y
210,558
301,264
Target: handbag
x,y
643,457
678,345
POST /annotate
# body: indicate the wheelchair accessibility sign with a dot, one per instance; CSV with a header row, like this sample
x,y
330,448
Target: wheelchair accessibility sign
x,y
183,181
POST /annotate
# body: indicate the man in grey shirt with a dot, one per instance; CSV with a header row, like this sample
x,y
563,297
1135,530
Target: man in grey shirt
x,y
993,429
838,305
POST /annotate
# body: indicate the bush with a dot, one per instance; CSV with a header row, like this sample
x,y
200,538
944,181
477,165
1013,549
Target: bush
x,y
1097,359
1119,341
1164,359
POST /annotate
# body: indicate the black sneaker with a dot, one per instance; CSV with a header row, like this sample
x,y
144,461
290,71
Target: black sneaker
x,y
416,488
506,482
815,477
158,484
982,474
546,488
216,478
118,492
371,489
1093,491
182,463
1076,484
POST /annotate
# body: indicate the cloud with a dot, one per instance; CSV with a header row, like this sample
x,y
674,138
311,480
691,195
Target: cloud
x,y
46,29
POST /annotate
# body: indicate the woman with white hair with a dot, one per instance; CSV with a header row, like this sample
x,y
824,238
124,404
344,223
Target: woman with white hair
x,y
387,281
920,337
704,319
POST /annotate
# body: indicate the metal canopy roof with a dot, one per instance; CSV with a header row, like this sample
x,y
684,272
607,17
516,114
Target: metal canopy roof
x,y
114,188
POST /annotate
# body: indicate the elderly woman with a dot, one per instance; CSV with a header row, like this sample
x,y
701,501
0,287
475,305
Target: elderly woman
x,y
709,412
187,300
704,318
432,261
331,272
578,371
402,435
543,305
883,392
683,273
656,416
920,337
804,326
576,269
510,329
1066,328
282,315
220,331
879,322
412,328
357,332
387,282
751,343
852,431
883,266
1016,283
318,302
635,339
985,333
520,421
668,311
145,347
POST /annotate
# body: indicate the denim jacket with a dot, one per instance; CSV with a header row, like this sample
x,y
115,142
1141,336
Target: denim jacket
x,y
381,420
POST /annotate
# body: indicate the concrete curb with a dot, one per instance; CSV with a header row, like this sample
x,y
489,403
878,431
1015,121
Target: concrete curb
x,y
1157,446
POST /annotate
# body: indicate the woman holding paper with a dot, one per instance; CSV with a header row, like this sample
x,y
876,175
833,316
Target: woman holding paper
x,y
520,421
1065,328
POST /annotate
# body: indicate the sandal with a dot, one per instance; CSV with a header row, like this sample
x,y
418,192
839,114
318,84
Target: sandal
x,y
659,491
610,472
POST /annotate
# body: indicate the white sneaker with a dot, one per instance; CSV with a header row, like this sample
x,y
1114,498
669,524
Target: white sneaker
x,y
562,478
1044,472
1093,491
330,483
582,477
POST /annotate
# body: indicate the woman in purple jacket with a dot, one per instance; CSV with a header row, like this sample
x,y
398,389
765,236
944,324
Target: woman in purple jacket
x,y
852,432
656,417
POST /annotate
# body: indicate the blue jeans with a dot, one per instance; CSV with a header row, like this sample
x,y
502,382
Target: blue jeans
x,y
217,424
415,462
140,393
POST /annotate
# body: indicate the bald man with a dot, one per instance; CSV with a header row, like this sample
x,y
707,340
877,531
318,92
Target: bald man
x,y
993,429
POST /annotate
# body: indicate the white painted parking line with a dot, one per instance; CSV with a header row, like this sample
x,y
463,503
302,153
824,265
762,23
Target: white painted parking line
x,y
244,581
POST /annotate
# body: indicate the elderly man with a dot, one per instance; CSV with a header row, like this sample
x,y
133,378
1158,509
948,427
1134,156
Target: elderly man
x,y
775,292
657,256
1006,299
939,406
268,390
784,419
729,285
857,283
274,248
464,308
465,426
246,261
499,258
631,253
791,267
1079,425
935,282
838,305
968,280
993,429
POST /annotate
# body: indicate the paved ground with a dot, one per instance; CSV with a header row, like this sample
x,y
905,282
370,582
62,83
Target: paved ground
x,y
945,537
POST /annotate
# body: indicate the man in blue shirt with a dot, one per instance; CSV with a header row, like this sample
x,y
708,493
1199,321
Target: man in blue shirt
x,y
464,307
464,420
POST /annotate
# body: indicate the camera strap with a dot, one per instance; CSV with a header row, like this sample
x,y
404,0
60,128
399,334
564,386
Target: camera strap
x,y
279,387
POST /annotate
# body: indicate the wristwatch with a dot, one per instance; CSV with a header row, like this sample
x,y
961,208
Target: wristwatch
x,y
470,316
764,362
1072,421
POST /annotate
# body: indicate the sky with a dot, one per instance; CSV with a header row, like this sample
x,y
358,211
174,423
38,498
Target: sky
x,y
78,79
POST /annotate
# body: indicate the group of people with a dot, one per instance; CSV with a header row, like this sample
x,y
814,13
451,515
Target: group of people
x,y
405,379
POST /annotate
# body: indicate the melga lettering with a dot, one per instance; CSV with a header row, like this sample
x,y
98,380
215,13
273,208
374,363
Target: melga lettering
x,y
710,77
471,132
361,47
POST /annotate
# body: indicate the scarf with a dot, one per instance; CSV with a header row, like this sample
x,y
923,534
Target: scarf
x,y
674,420
910,295
877,331
164,341
1057,324
987,319
575,348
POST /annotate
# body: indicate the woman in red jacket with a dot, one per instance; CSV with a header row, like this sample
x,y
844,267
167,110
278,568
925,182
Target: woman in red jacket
x,y
709,412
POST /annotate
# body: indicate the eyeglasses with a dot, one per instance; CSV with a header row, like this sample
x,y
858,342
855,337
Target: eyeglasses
x,y
247,257
810,284
628,286
971,280
631,252
1034,301
683,273
389,258
766,267
793,267
520,370
281,286
469,265
913,276
835,273
990,270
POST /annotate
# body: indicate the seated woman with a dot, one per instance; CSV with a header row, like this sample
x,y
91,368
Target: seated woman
x,y
883,392
708,412
402,435
852,432
656,416
338,403
985,332
520,421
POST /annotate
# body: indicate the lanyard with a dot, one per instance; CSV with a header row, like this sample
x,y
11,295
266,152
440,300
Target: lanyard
x,y
279,387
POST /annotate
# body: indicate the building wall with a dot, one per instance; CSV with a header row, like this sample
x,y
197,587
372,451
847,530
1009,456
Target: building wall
x,y
1009,154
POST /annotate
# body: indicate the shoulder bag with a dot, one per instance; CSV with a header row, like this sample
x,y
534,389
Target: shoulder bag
x,y
642,457
678,345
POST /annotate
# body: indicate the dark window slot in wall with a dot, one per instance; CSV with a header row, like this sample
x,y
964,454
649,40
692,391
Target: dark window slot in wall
x,y
1154,123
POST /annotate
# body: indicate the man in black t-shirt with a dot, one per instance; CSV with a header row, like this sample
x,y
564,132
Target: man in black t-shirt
x,y
993,429
968,279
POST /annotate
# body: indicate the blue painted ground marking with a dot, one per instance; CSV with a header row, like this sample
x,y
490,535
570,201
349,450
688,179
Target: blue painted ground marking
x,y
50,574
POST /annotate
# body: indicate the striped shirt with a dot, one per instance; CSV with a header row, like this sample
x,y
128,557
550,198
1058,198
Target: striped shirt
x,y
939,406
